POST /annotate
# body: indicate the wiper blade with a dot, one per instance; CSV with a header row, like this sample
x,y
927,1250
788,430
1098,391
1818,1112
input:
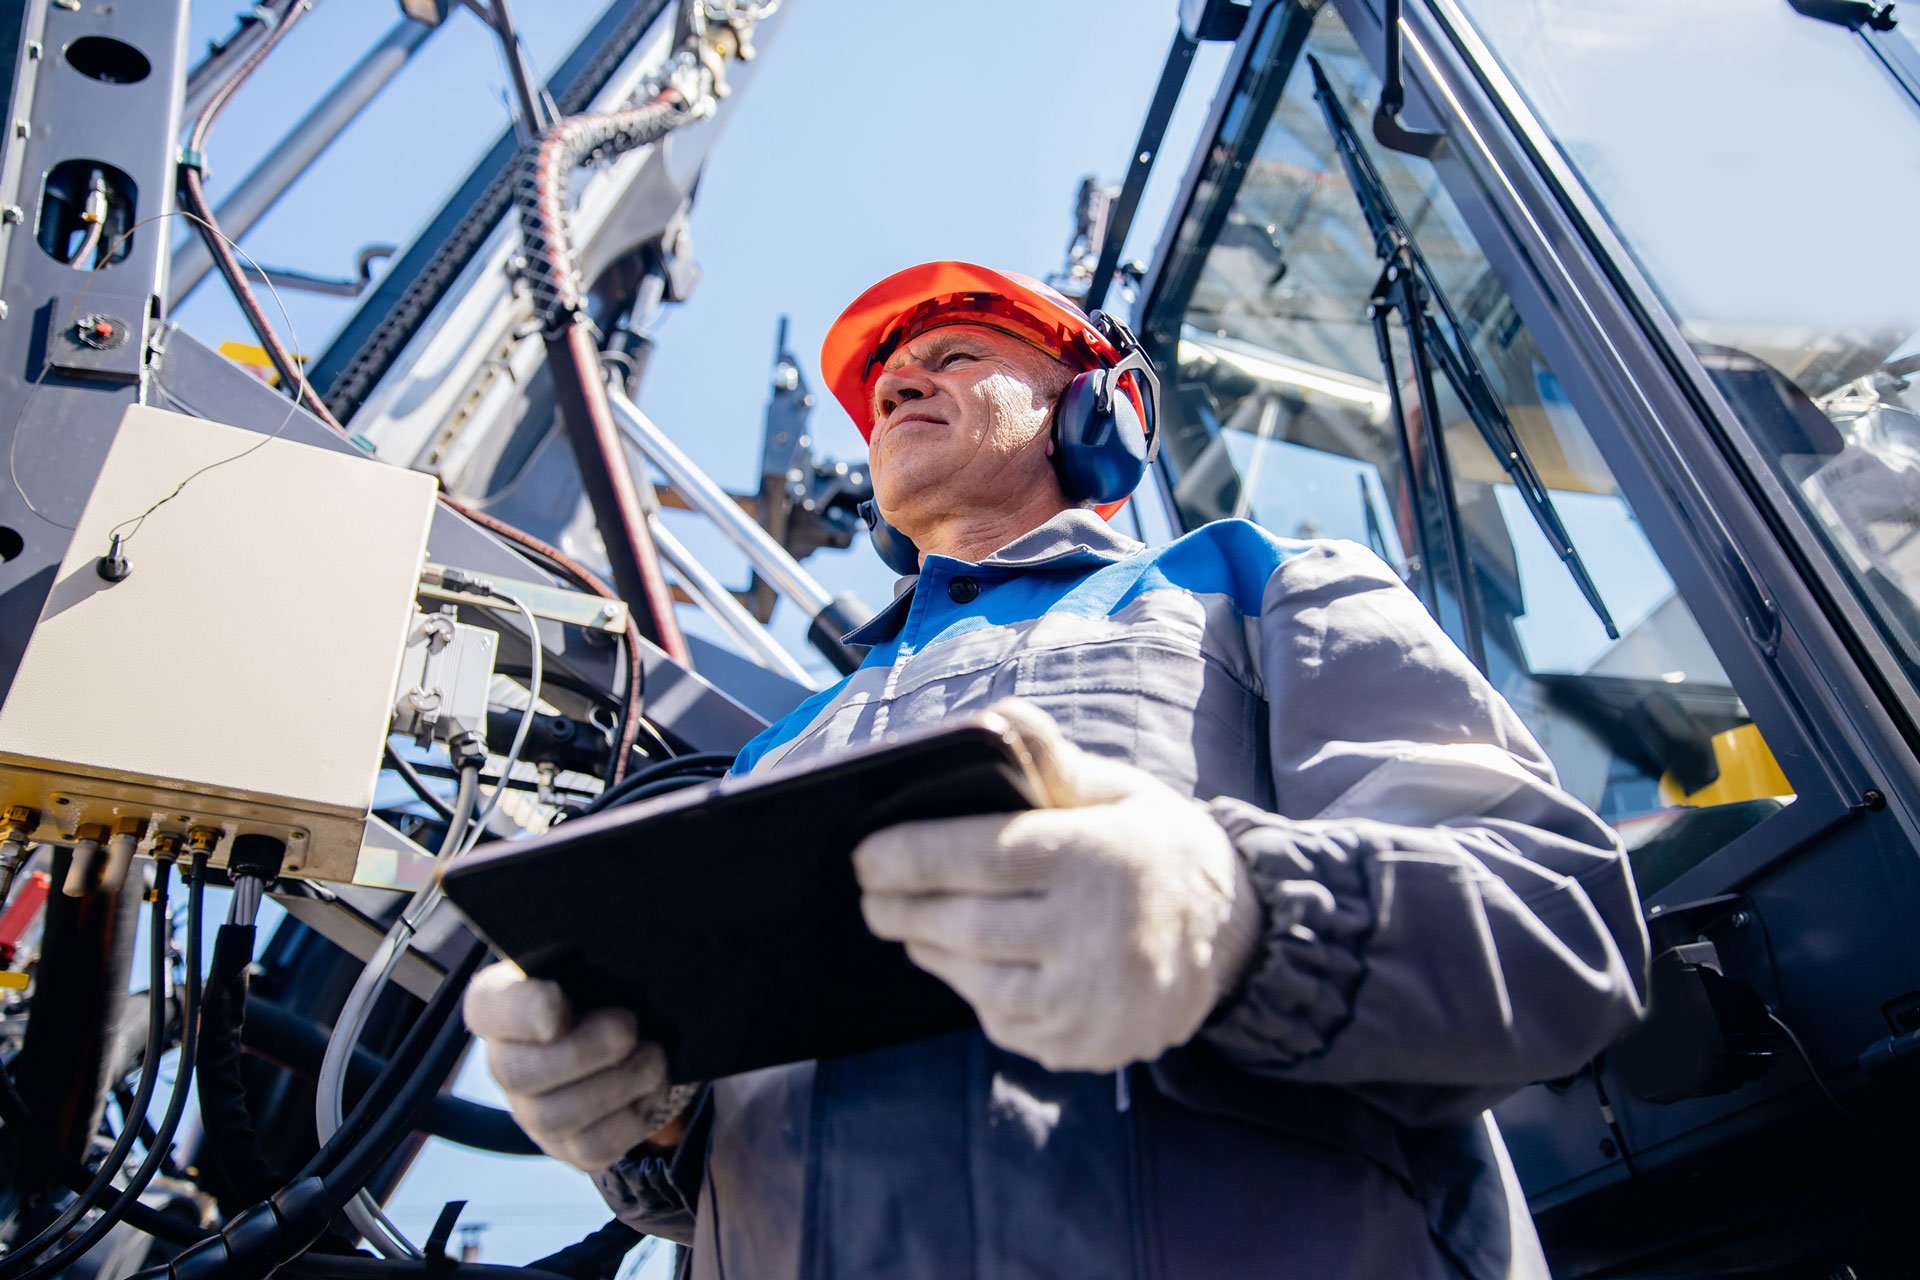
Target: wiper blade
x,y
1393,243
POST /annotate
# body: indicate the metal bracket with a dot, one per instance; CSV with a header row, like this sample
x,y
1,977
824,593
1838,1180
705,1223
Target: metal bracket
x,y
555,604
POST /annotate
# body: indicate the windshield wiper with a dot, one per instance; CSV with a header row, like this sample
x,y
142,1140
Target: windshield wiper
x,y
1406,284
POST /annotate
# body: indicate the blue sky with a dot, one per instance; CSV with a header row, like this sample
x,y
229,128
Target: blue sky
x,y
873,136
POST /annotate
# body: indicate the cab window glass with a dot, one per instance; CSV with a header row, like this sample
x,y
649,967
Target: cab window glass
x,y
1281,409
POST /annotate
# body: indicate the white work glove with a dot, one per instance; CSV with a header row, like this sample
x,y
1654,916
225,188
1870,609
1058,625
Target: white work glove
x,y
1087,935
586,1092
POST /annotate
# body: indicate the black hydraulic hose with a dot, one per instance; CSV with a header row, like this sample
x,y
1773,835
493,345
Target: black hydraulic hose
x,y
358,1164
559,299
298,1042
596,1257
232,1145
23,1127
270,1234
331,1266
160,930
176,1103
349,1266
693,768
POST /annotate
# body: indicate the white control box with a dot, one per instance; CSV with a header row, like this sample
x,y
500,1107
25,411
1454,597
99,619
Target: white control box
x,y
241,676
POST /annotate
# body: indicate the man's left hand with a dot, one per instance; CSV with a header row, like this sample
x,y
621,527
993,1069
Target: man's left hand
x,y
1096,932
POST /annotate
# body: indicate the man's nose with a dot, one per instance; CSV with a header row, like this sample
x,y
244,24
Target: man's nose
x,y
897,386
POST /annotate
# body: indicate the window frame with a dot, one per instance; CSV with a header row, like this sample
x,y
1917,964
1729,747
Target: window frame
x,y
1818,679
1756,613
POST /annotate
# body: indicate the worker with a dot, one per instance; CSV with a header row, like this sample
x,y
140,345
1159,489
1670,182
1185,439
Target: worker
x,y
1305,901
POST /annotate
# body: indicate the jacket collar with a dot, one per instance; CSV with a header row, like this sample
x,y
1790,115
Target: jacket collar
x,y
1075,536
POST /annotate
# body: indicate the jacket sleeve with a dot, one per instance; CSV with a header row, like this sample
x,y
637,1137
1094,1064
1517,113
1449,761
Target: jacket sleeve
x,y
1444,924
658,1192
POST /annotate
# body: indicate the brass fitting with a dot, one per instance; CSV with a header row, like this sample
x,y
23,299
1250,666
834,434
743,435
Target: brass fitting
x,y
202,839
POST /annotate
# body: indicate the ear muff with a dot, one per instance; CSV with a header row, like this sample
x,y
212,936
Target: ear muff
x,y
896,549
1102,443
1099,442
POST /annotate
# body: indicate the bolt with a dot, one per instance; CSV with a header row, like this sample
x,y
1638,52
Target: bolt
x,y
424,701
12,216
609,611
1607,1148
1654,911
1740,919
1874,799
33,50
21,129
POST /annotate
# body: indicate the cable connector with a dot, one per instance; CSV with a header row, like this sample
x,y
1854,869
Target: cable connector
x,y
88,838
15,825
460,580
127,832
469,751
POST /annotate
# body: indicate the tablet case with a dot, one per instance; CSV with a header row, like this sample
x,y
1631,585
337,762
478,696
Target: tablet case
x,y
727,916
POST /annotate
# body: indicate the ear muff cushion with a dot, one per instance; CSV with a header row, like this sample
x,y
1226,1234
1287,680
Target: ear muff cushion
x,y
1100,457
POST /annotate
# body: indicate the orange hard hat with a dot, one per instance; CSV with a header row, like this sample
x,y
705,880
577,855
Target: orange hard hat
x,y
908,303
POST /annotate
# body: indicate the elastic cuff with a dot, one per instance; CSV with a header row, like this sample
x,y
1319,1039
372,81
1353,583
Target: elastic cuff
x,y
1307,965
1237,944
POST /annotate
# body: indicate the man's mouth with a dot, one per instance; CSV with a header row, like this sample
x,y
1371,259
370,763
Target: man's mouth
x,y
905,418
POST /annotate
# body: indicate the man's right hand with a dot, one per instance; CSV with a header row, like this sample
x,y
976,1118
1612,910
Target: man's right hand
x,y
586,1092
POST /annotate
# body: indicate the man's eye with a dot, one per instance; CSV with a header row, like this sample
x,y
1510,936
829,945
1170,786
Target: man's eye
x,y
951,356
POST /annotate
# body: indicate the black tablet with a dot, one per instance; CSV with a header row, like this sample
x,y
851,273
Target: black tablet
x,y
727,916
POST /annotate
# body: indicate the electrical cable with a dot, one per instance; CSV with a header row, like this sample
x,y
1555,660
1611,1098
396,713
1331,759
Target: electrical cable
x,y
270,1234
20,1123
334,1266
666,751
594,1257
160,931
1813,1072
358,1164
330,1095
535,682
193,195
176,1103
417,784
588,581
706,764
231,1148
298,1043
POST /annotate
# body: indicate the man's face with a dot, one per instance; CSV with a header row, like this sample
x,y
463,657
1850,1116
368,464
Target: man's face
x,y
961,424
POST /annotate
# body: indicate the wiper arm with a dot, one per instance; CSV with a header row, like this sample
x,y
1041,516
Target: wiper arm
x,y
1407,282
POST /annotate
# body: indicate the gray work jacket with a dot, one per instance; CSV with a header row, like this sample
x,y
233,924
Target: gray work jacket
x,y
1443,925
